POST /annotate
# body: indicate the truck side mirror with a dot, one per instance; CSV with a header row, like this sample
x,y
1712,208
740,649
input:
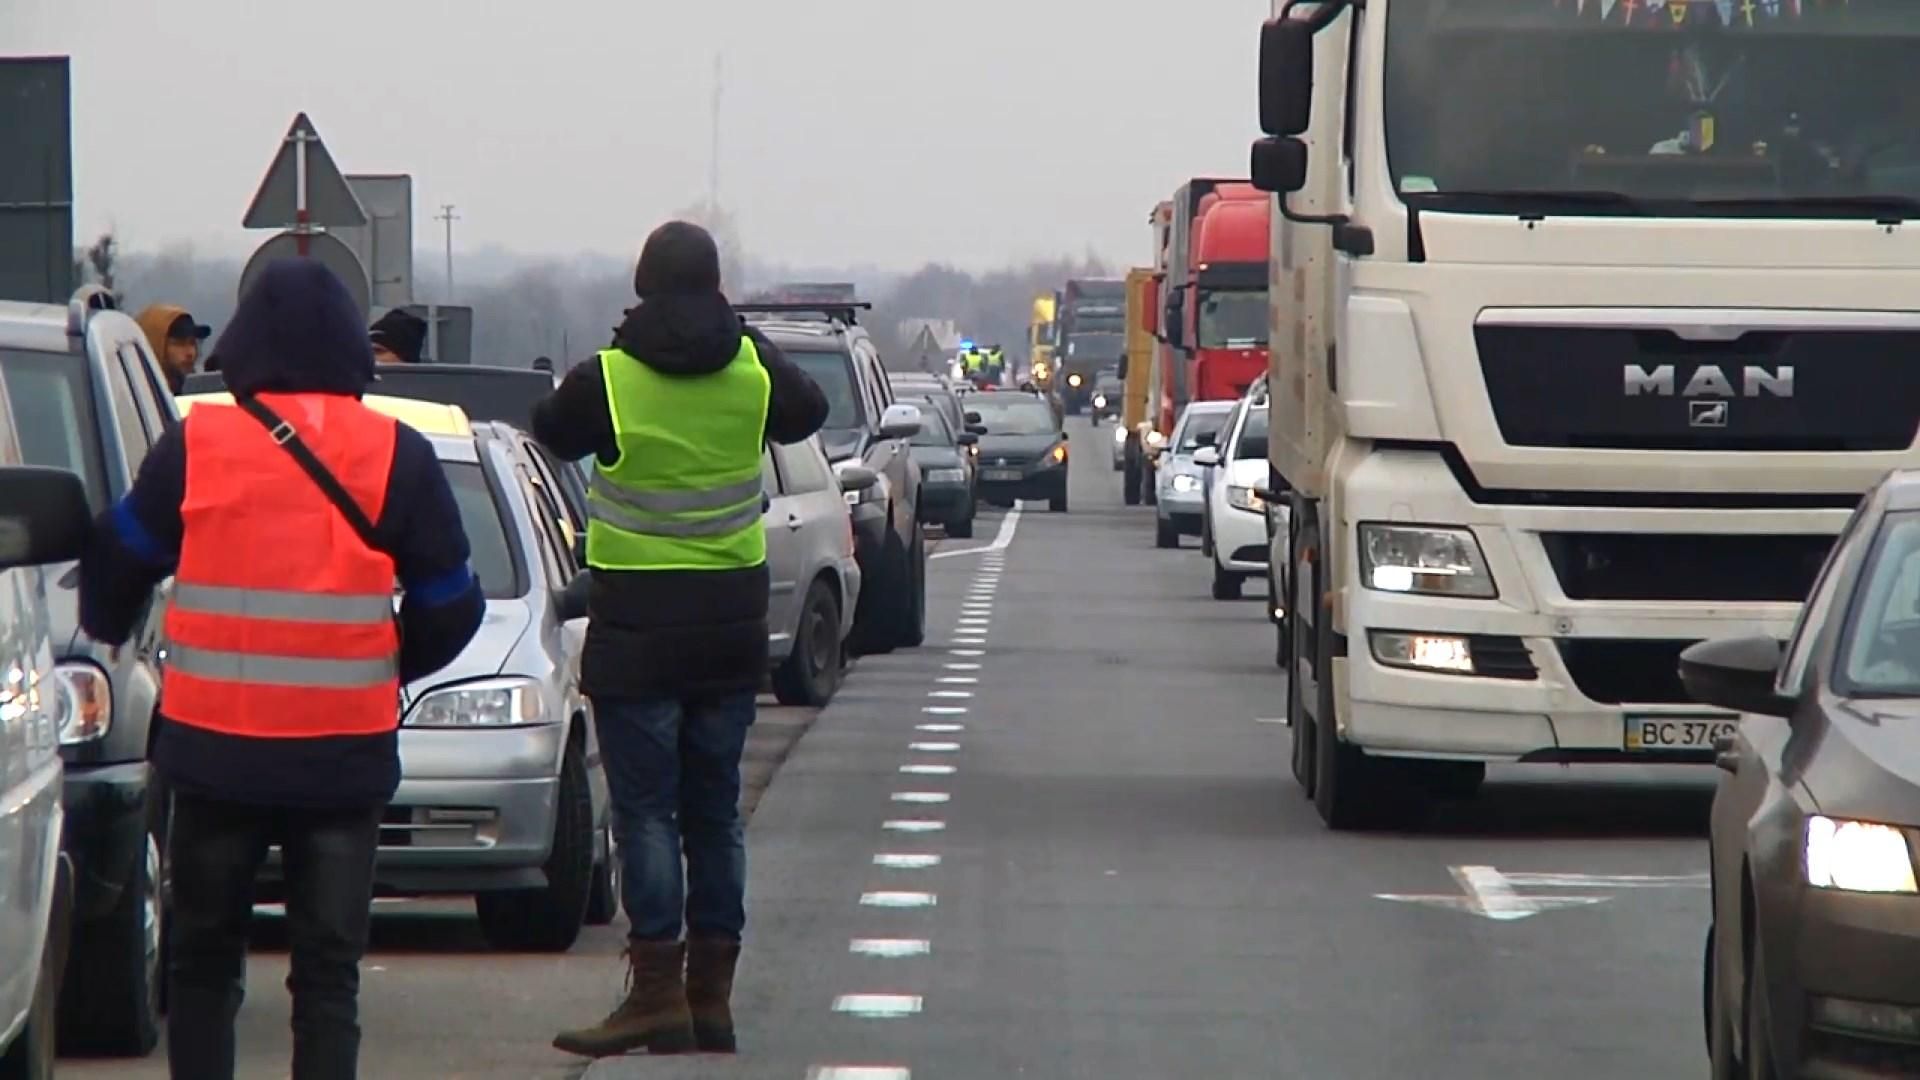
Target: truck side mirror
x,y
1279,165
1286,75
1176,323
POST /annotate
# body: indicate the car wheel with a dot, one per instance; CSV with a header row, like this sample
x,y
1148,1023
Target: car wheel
x,y
1164,534
110,999
1759,1020
1130,480
603,901
811,673
1206,534
31,1054
1226,583
1057,502
876,618
913,633
549,919
961,529
1723,1064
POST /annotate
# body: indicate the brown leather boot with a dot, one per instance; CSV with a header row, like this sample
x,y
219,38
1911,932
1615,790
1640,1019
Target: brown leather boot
x,y
654,1015
710,964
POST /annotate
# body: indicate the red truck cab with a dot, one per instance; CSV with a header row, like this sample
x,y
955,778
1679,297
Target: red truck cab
x,y
1226,307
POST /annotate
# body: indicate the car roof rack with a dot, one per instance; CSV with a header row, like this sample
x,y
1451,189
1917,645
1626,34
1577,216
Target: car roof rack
x,y
87,299
842,311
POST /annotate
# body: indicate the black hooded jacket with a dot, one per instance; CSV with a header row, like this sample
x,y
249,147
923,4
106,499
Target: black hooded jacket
x,y
296,331
686,633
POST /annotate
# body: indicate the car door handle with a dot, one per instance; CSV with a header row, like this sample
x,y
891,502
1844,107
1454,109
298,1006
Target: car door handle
x,y
1726,757
794,522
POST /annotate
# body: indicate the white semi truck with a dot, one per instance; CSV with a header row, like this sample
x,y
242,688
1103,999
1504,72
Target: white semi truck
x,y
1590,324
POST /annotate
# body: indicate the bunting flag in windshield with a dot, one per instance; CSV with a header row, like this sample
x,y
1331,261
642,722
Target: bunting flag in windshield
x,y
1683,13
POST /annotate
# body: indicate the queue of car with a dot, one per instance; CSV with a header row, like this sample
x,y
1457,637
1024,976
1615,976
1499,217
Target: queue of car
x,y
498,798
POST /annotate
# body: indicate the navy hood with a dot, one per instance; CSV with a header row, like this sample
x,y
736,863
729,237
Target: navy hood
x,y
296,331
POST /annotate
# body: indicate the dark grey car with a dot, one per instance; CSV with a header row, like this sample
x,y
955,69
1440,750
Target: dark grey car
x,y
90,399
1813,957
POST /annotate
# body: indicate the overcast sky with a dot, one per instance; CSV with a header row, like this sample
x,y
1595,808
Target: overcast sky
x,y
885,131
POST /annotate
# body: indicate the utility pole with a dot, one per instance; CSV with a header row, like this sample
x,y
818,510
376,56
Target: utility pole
x,y
713,151
447,215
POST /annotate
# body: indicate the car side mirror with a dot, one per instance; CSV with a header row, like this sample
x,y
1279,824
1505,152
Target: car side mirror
x,y
900,421
1206,456
966,438
976,430
973,420
1063,436
44,516
571,602
1736,674
854,478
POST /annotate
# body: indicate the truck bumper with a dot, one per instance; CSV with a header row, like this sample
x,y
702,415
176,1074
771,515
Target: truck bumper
x,y
1556,679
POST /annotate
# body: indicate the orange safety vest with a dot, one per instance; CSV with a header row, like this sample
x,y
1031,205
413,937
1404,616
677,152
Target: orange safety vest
x,y
282,623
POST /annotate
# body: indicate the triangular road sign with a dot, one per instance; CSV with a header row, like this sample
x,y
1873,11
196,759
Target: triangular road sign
x,y
330,202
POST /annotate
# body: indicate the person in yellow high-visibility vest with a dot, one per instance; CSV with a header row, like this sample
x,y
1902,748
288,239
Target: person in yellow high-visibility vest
x,y
676,414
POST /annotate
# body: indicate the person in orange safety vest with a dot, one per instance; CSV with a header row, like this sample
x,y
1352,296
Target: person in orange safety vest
x,y
287,521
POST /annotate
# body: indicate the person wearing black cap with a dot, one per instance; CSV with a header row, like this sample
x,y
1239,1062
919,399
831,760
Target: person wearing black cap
x,y
398,337
175,337
676,413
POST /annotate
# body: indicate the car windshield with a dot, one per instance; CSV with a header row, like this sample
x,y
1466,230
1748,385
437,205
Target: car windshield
x,y
53,413
1253,437
1881,657
1493,107
933,430
484,520
1235,319
1014,414
832,371
1199,426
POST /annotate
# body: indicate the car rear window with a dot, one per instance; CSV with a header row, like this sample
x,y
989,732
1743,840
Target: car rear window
x,y
1014,414
504,394
832,371
484,520
53,412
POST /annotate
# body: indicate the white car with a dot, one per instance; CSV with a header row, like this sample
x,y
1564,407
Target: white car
x,y
1234,531
1179,482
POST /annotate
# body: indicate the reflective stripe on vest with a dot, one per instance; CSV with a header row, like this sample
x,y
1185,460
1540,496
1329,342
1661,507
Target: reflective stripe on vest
x,y
685,491
281,623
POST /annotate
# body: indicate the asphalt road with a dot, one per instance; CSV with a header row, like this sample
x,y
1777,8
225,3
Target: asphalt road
x,y
1096,866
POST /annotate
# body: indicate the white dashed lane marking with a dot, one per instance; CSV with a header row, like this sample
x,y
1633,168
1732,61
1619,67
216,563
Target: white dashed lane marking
x,y
934,747
895,899
927,770
950,693
922,797
940,729
914,825
893,860
858,1072
877,1006
957,680
962,665
890,948
944,710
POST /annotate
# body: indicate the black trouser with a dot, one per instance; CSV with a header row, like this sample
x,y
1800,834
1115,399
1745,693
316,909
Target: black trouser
x,y
215,850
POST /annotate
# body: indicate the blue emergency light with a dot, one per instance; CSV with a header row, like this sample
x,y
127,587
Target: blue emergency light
x,y
966,345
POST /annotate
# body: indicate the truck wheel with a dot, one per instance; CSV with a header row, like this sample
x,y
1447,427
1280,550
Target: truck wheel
x,y
31,1054
1300,634
1165,535
811,672
549,919
110,1000
1226,583
1350,790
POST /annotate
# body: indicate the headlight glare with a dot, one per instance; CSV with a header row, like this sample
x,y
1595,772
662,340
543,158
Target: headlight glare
x,y
1427,560
495,703
1154,438
1244,498
1099,401
88,715
1074,379
1186,482
1119,436
1857,856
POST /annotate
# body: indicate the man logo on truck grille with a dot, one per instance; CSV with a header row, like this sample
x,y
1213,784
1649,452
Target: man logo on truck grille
x,y
1709,381
1711,414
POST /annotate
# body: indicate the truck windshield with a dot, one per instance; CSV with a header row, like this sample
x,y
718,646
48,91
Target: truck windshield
x,y
1681,109
1233,320
1093,346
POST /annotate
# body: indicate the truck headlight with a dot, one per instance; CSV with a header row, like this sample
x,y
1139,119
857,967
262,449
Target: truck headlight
x,y
1856,856
1426,560
89,712
946,476
1188,482
1244,498
494,703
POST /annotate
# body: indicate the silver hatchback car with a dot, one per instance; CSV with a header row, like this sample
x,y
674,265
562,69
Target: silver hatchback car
x,y
810,560
500,792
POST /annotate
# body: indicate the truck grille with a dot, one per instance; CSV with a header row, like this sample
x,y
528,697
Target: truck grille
x,y
1623,387
1619,671
1725,568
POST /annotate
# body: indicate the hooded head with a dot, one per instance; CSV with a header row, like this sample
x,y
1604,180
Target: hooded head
x,y
683,326
297,330
680,257
175,337
398,336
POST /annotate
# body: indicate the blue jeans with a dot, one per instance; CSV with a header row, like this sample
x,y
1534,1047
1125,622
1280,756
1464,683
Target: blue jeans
x,y
673,768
